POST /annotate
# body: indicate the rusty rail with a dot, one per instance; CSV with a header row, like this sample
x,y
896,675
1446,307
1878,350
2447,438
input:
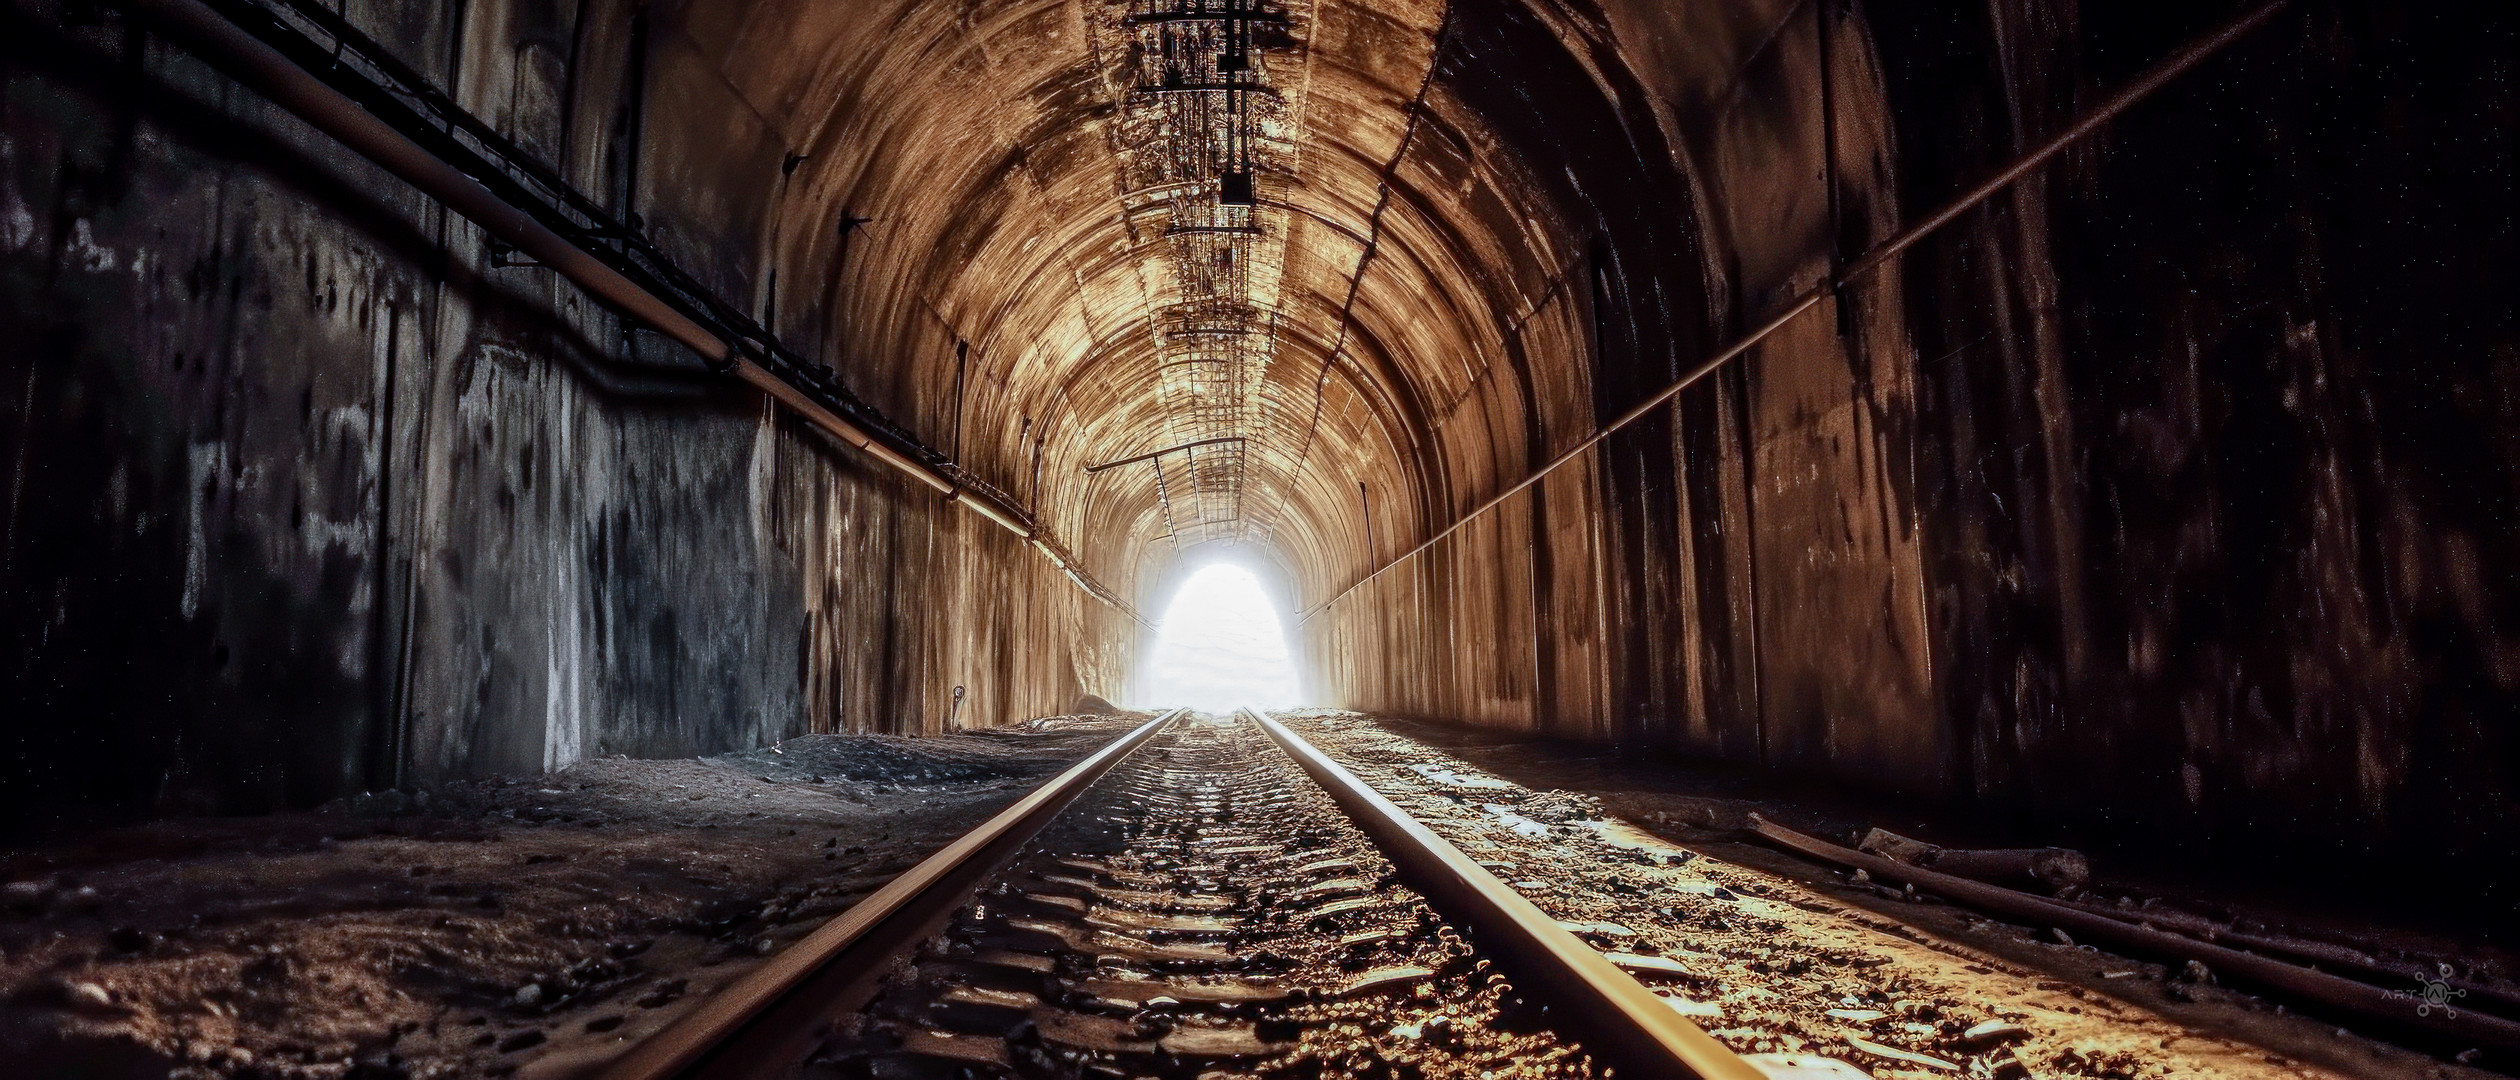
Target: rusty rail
x,y
2403,1008
770,1013
1631,1024
1152,455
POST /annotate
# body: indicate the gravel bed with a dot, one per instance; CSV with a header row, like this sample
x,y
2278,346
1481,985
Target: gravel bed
x,y
1780,956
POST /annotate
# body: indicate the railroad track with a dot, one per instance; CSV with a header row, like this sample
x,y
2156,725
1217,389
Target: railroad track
x,y
1204,897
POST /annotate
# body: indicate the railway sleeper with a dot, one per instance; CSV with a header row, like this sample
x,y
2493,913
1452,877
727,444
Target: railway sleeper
x,y
1204,912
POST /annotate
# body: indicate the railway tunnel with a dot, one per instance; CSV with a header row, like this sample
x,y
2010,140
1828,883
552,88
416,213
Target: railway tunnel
x,y
2024,422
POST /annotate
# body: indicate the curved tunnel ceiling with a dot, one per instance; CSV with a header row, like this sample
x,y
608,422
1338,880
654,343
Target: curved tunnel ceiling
x,y
1002,234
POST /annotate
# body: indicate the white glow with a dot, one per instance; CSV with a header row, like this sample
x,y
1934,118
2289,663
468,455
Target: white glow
x,y
1220,646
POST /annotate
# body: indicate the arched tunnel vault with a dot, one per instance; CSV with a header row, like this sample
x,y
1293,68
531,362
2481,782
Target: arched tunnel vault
x,y
1009,288
2117,502
990,154
1485,229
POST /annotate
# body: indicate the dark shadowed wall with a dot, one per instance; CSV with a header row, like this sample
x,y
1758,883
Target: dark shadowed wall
x,y
307,496
2170,495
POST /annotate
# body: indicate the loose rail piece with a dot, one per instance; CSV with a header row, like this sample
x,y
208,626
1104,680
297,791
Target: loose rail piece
x,y
2310,984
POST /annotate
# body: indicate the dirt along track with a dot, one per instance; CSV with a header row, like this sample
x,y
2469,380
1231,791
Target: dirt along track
x,y
1206,910
1773,964
522,925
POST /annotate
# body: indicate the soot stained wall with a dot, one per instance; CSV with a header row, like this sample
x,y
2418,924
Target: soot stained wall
x,y
307,497
2170,495
2221,494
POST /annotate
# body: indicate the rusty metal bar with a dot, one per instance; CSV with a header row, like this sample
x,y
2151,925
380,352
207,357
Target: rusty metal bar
x,y
286,83
1211,15
1636,1028
2310,984
2153,79
1206,88
1191,445
738,1029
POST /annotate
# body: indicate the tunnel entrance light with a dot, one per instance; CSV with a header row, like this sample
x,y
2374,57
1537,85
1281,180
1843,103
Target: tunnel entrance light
x,y
1221,645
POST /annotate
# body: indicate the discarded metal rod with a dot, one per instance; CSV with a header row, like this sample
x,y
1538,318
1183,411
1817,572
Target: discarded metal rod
x,y
1159,453
2406,1008
2307,951
2060,869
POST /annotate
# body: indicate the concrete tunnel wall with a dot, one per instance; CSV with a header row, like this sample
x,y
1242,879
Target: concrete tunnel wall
x,y
2170,496
310,498
2087,509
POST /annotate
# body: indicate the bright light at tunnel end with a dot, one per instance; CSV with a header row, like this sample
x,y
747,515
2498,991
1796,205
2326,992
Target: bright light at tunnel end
x,y
1220,646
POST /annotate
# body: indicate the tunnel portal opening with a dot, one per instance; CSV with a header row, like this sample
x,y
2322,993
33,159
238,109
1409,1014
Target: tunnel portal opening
x,y
1221,645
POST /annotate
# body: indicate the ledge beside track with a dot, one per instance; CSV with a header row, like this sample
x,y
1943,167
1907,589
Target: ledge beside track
x,y
776,1005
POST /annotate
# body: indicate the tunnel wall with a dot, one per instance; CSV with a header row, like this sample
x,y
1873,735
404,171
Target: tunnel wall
x,y
2167,498
307,496
2167,493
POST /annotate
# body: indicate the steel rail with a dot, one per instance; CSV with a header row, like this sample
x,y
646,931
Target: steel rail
x,y
288,83
2153,79
775,1007
1633,1027
772,1013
